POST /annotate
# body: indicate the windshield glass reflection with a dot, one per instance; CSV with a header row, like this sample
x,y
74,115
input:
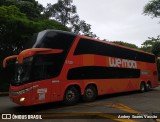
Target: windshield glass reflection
x,y
22,71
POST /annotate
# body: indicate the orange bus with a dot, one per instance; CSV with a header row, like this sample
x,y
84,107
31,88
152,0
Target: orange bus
x,y
62,66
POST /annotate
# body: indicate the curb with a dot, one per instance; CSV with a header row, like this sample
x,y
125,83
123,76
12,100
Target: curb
x,y
4,93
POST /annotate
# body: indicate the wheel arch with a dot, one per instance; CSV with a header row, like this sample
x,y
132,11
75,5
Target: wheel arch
x,y
149,82
142,82
92,84
71,94
77,86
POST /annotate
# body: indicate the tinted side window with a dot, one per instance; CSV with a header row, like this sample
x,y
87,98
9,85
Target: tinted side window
x,y
46,66
97,72
145,57
56,40
86,46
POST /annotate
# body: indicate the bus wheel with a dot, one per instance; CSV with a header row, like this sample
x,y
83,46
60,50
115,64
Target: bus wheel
x,y
90,94
142,87
71,96
148,86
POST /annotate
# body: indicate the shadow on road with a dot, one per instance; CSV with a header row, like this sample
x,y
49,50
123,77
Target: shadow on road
x,y
37,108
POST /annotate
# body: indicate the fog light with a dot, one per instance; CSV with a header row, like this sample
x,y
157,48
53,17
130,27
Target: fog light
x,y
22,99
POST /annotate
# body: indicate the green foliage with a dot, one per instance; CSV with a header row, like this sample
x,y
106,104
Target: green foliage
x,y
63,11
66,13
126,44
152,8
16,28
148,44
50,24
31,8
81,27
156,49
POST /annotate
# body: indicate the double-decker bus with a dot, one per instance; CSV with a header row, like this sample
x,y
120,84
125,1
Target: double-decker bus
x,y
62,66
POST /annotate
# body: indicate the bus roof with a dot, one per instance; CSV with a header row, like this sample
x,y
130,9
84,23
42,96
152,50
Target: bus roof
x,y
60,31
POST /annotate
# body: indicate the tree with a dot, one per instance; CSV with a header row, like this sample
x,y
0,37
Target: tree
x,y
13,24
126,44
148,44
81,27
66,13
31,8
156,48
63,11
152,8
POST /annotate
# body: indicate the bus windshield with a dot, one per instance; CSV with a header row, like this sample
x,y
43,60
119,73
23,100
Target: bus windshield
x,y
22,71
38,67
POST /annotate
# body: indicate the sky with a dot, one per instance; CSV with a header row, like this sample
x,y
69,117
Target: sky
x,y
116,20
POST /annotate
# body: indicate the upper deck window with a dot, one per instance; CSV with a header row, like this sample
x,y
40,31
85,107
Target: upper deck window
x,y
55,40
87,46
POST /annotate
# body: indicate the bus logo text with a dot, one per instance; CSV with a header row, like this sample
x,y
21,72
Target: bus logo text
x,y
123,63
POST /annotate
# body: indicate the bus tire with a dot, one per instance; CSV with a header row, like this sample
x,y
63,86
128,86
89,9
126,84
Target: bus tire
x,y
148,86
71,96
142,87
90,94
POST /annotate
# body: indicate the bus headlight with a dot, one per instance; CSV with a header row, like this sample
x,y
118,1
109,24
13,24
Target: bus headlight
x,y
22,99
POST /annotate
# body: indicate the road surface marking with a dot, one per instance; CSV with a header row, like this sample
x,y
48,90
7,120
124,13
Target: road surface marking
x,y
126,109
157,120
123,108
109,116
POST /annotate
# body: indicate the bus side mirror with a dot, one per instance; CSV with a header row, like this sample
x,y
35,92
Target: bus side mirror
x,y
34,51
7,59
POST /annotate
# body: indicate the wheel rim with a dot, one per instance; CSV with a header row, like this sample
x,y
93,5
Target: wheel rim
x,y
70,96
148,86
142,88
89,93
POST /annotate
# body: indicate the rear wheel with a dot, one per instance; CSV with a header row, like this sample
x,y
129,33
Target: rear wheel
x,y
148,86
90,94
142,87
71,96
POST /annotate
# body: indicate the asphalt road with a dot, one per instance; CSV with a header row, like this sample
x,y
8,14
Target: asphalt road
x,y
105,107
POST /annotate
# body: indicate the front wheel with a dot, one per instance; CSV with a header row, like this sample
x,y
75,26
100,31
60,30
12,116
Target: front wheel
x,y
90,94
71,96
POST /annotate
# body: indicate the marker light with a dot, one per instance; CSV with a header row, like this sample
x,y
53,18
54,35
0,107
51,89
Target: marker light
x,y
22,99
